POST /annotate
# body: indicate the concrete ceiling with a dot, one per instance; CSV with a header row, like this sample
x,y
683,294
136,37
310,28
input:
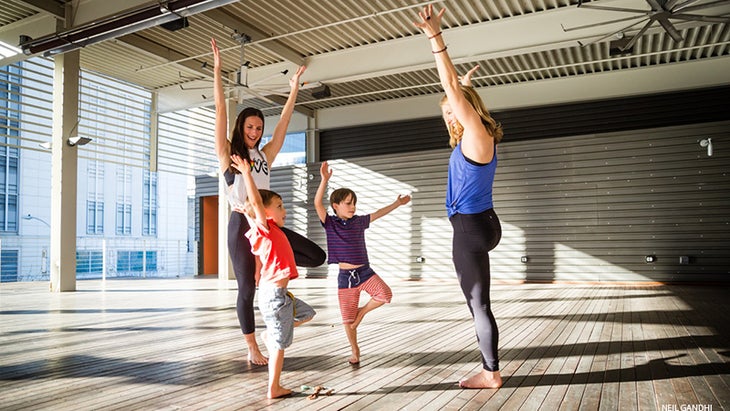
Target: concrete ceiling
x,y
378,66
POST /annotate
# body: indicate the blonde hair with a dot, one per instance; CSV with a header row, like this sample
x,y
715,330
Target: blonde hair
x,y
456,131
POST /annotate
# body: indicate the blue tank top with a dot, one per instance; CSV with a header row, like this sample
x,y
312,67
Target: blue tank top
x,y
469,185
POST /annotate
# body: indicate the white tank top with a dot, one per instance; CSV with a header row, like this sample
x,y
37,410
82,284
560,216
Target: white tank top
x,y
260,172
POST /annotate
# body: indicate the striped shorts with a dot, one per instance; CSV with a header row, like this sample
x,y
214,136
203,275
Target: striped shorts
x,y
350,297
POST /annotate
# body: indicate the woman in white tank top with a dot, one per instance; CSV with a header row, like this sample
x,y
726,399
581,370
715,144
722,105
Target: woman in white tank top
x,y
244,142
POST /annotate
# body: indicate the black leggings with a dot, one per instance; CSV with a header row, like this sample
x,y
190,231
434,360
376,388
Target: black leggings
x,y
306,253
474,236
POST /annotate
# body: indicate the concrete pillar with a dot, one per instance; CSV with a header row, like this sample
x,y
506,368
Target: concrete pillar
x,y
154,124
312,139
64,163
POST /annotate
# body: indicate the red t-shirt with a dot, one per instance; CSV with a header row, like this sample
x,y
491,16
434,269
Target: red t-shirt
x,y
270,244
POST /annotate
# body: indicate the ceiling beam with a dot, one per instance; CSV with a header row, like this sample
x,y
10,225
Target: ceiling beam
x,y
611,84
298,108
256,35
195,66
529,33
167,54
54,8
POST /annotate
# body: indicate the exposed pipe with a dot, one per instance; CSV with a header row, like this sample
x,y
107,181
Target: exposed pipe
x,y
118,25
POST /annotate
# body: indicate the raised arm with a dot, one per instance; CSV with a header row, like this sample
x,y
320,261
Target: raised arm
x,y
272,148
326,173
477,144
253,195
401,200
222,146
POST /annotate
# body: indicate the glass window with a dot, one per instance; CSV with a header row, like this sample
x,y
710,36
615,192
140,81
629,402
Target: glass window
x,y
124,219
8,266
94,217
134,261
9,151
89,262
95,197
149,204
124,200
294,150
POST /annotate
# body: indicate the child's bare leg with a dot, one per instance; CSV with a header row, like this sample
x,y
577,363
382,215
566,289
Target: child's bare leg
x,y
371,305
352,338
276,364
484,379
254,353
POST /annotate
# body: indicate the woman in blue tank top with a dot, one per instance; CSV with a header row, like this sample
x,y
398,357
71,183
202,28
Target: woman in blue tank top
x,y
474,136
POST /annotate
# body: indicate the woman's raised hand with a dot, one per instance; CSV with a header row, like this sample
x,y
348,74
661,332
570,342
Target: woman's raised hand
x,y
430,23
216,54
294,80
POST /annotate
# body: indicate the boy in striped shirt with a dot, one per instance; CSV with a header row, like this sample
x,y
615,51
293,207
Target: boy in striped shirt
x,y
346,247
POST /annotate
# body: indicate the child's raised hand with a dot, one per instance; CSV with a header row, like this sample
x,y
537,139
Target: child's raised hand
x,y
241,164
325,171
403,199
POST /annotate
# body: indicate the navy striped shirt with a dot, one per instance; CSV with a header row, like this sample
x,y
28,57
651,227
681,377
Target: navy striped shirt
x,y
346,239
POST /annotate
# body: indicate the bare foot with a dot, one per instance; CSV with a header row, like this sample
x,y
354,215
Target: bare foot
x,y
256,357
278,392
352,339
254,353
355,357
484,379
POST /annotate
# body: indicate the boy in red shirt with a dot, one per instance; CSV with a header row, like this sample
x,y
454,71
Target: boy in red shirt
x,y
280,310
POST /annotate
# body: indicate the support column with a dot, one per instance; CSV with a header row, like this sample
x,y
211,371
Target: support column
x,y
154,125
64,175
312,139
225,267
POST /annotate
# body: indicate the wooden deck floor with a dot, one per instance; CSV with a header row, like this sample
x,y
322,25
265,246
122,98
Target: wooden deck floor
x,y
175,344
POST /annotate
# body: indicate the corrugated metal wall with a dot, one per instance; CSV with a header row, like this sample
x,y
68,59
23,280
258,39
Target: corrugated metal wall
x,y
600,116
580,208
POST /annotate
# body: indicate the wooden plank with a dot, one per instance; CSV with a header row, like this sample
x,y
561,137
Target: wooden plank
x,y
172,344
553,386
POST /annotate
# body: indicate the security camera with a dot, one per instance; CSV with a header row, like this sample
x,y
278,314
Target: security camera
x,y
78,141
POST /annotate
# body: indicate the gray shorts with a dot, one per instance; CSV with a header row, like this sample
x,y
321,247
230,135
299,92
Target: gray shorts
x,y
280,310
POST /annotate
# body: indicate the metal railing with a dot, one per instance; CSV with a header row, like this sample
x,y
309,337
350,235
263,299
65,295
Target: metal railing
x,y
28,258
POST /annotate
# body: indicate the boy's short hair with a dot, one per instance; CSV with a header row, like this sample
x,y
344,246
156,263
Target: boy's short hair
x,y
267,196
341,194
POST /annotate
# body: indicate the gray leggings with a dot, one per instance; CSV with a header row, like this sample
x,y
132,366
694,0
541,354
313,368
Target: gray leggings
x,y
474,236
